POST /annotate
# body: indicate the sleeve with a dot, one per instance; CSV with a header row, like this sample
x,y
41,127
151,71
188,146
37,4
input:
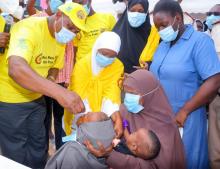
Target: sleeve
x,y
22,42
205,57
151,46
128,162
112,90
60,58
112,22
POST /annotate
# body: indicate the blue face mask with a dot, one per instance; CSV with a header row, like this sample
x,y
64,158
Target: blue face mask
x,y
210,20
136,19
131,101
104,61
168,34
54,4
64,35
132,104
87,8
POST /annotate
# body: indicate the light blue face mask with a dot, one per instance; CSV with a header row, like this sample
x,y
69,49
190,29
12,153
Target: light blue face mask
x,y
168,34
131,101
132,104
64,35
136,19
210,20
54,4
87,8
104,61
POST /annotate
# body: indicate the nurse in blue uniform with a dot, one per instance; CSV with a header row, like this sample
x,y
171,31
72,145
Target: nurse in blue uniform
x,y
188,68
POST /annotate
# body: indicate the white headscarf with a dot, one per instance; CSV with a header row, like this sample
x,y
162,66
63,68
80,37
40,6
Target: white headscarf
x,y
107,40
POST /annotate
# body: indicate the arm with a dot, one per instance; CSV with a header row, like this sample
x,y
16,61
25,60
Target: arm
x,y
118,160
30,7
116,118
205,93
25,76
207,65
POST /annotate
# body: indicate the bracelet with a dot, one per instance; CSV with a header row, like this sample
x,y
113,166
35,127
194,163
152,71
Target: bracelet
x,y
125,125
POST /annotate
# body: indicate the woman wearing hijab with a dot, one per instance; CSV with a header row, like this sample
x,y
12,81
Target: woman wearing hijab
x,y
95,79
136,34
188,68
146,106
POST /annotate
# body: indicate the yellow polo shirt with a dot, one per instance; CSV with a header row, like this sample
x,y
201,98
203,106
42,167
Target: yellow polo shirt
x,y
96,24
31,40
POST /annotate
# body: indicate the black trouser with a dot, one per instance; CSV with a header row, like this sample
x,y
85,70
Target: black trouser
x,y
22,132
58,111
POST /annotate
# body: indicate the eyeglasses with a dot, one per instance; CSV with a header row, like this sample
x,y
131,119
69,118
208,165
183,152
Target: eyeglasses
x,y
213,13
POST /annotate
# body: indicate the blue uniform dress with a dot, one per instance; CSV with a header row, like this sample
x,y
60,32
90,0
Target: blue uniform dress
x,y
181,69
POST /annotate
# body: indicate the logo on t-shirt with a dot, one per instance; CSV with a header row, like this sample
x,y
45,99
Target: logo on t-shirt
x,y
45,60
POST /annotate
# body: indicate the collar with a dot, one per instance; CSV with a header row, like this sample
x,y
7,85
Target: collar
x,y
188,32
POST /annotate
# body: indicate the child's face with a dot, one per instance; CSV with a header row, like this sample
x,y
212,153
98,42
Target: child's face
x,y
134,142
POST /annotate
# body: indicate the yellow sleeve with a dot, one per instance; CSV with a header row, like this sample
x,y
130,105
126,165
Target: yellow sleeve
x,y
112,89
112,22
151,46
60,59
22,42
2,23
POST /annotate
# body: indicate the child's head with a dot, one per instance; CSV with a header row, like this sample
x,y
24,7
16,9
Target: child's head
x,y
92,117
143,143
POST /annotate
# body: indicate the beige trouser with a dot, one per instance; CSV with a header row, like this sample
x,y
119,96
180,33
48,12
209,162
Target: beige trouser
x,y
214,133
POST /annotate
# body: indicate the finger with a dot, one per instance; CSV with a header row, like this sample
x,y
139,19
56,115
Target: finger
x,y
101,146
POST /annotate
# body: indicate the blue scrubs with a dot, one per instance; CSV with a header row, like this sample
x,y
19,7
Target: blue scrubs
x,y
181,69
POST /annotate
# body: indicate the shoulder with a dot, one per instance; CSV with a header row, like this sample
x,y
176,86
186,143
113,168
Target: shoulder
x,y
105,16
31,23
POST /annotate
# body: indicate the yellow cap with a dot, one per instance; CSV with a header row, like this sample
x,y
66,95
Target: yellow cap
x,y
76,13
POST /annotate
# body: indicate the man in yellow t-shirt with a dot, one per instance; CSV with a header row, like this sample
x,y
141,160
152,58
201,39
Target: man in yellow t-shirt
x,y
96,23
36,47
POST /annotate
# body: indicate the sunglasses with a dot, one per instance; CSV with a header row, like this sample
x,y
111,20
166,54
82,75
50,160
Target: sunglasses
x,y
213,13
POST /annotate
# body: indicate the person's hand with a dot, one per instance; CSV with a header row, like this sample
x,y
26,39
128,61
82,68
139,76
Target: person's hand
x,y
70,101
115,142
66,85
101,152
4,39
181,117
116,118
143,65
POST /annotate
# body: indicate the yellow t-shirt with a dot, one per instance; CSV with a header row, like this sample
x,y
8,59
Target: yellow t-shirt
x,y
31,40
97,23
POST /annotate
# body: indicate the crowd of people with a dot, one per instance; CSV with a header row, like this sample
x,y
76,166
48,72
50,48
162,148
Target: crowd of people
x,y
124,92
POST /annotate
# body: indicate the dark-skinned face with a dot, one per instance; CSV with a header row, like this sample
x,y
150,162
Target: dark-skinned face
x,y
108,53
137,8
64,21
199,26
163,20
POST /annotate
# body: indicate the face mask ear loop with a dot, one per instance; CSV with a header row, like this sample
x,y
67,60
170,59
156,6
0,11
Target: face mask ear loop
x,y
152,91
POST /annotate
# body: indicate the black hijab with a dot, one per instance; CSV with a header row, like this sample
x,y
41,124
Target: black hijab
x,y
133,39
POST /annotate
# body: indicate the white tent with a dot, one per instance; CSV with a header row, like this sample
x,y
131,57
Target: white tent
x,y
196,6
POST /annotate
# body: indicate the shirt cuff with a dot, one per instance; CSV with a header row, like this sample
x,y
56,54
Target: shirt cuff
x,y
108,107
